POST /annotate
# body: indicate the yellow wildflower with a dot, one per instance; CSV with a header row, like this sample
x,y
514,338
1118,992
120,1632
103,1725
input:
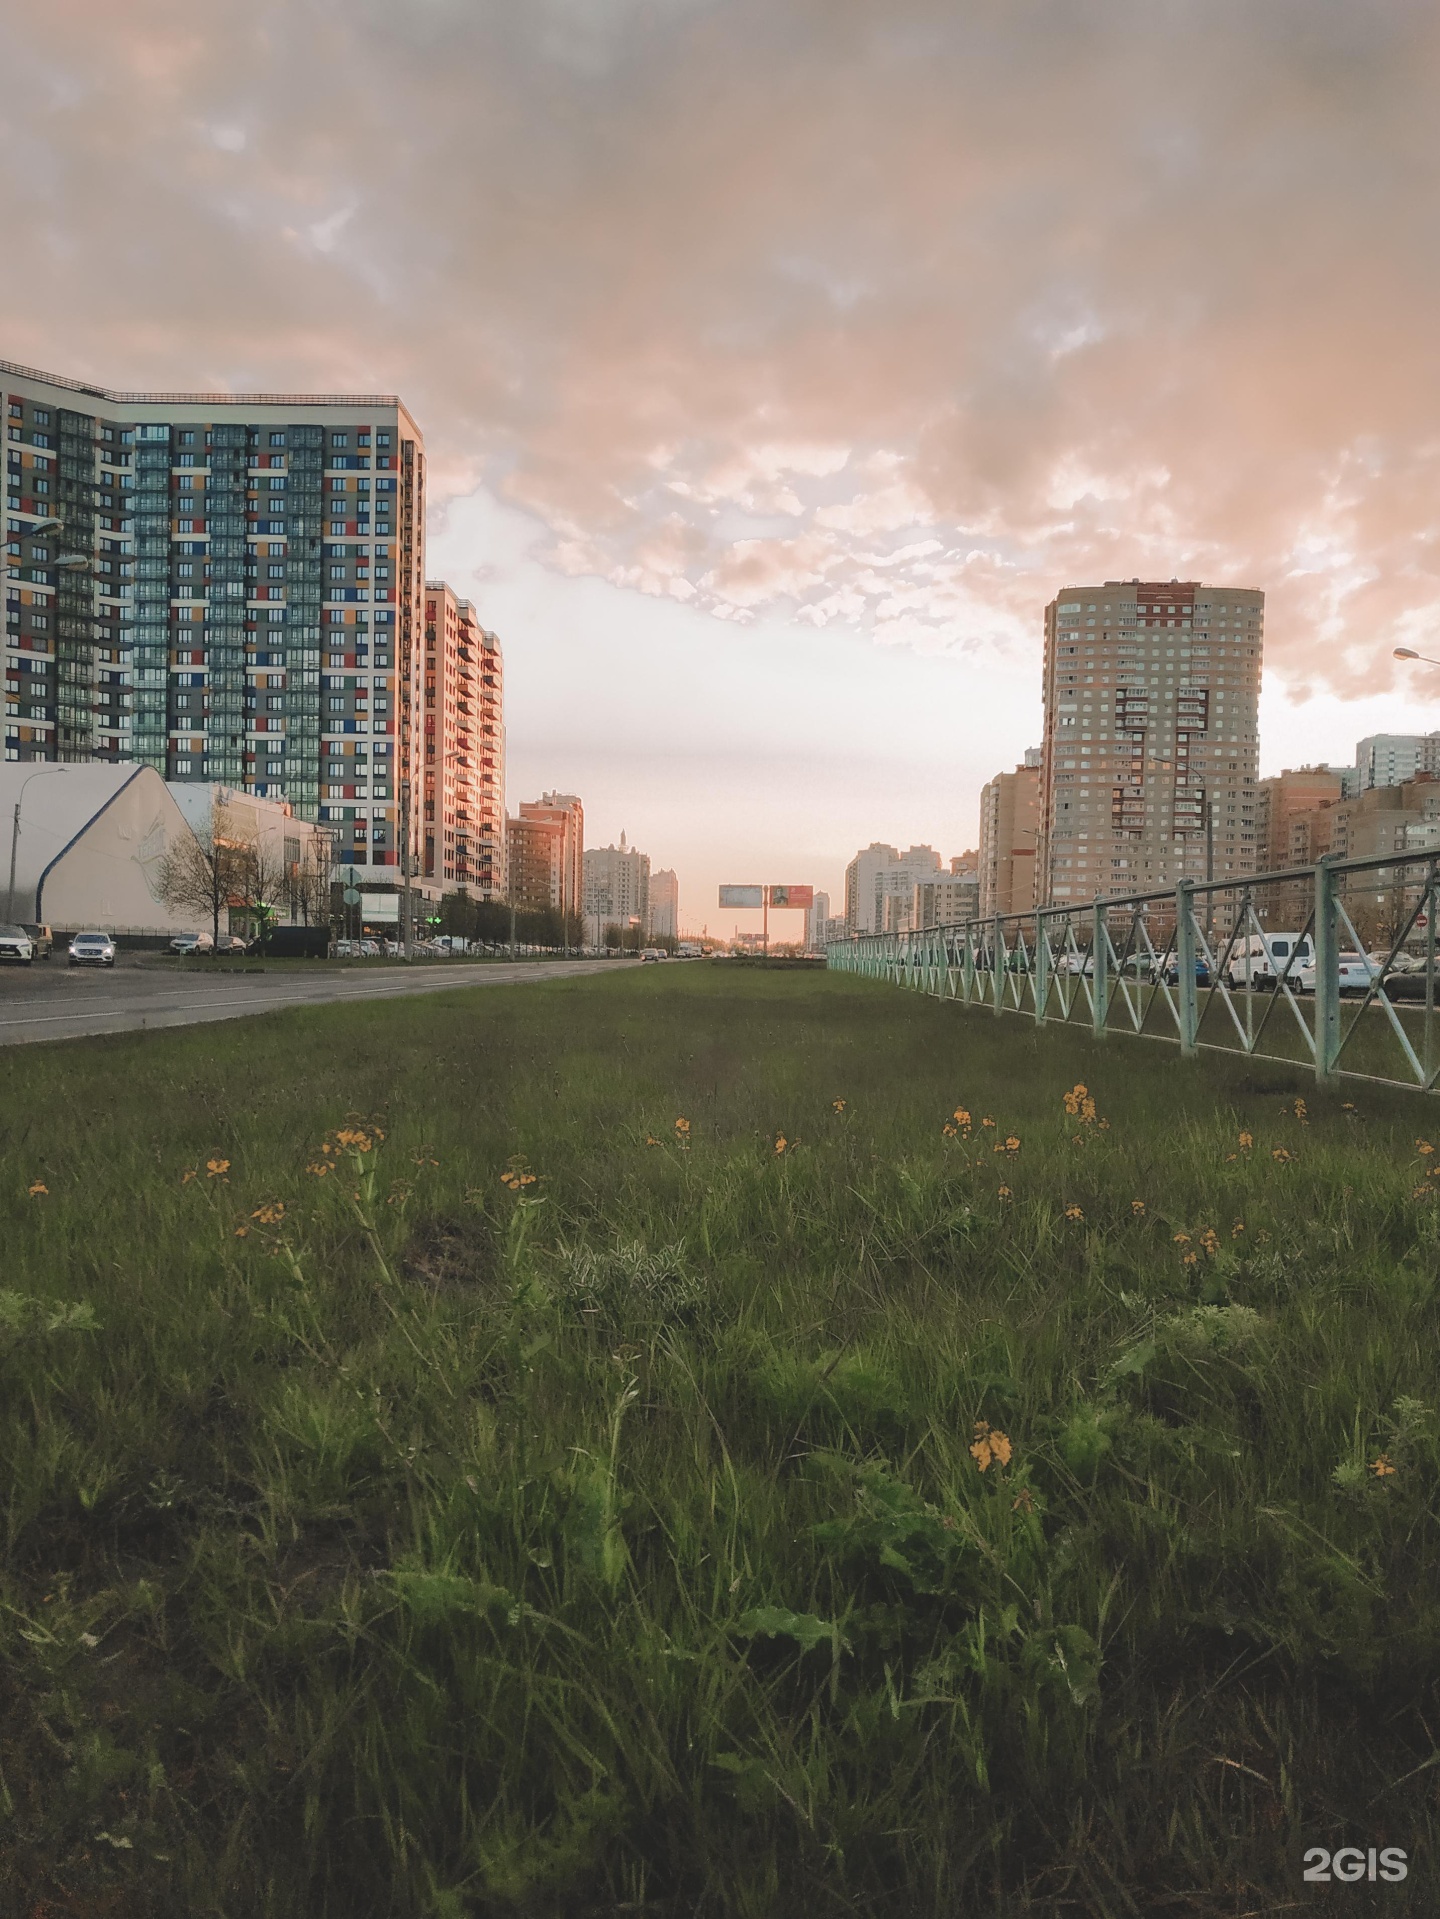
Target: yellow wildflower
x,y
1423,1146
1282,1154
682,1126
1182,1239
1237,1229
37,1188
987,1121
271,1213
217,1168
1005,1193
242,1232
1073,1212
781,1142
989,1446
185,1178
1382,1467
1137,1206
837,1105
1023,1502
1210,1240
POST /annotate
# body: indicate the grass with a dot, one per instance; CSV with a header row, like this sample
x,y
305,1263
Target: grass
x,y
551,1507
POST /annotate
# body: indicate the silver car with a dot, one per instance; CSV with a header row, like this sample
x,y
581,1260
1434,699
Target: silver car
x,y
16,944
92,949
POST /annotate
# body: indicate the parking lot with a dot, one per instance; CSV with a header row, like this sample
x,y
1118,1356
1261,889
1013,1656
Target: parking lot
x,y
51,1000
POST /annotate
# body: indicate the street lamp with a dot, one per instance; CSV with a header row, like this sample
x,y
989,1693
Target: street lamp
x,y
1409,653
15,834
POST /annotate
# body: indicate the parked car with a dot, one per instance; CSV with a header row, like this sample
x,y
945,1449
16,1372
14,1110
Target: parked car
x,y
1202,973
1259,959
92,949
1403,962
16,944
190,943
1357,974
42,939
652,953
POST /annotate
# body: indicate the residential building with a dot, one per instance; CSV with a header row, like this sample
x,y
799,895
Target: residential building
x,y
664,907
546,851
1151,742
946,902
234,593
1388,759
815,921
1009,823
464,839
880,886
617,889
1285,808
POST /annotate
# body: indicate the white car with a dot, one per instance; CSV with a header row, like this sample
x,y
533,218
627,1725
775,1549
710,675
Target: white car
x,y
193,943
16,944
92,949
1357,974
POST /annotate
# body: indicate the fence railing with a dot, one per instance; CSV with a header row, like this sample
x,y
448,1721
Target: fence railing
x,y
1332,967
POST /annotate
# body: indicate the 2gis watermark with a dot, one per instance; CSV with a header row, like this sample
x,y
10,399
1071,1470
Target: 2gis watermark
x,y
1351,1865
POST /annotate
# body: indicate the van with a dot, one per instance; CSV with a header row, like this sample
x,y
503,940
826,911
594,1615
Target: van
x,y
41,939
1259,959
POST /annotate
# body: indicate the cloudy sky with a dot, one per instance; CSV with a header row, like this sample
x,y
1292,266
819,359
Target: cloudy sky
x,y
778,359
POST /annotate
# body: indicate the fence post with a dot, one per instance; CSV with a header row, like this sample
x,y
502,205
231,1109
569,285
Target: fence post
x,y
1185,967
1100,972
1042,968
1327,975
997,970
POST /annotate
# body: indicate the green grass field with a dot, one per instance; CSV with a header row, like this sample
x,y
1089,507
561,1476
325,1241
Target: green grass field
x,y
627,1446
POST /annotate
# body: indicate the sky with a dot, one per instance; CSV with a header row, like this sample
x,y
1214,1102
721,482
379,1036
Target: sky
x,y
778,360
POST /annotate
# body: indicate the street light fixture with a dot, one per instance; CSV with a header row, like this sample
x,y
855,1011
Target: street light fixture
x,y
15,835
1409,653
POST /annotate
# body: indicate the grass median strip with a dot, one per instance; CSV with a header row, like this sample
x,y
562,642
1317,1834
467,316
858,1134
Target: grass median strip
x,y
707,1441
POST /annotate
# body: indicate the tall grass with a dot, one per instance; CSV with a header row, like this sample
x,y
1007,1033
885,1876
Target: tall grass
x,y
631,1446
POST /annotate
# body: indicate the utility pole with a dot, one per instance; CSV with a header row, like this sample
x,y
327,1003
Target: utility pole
x,y
406,910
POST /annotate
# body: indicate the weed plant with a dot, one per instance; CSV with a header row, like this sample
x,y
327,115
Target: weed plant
x,y
708,1441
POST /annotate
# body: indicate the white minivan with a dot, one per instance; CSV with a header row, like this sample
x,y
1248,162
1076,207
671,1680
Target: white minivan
x,y
1259,959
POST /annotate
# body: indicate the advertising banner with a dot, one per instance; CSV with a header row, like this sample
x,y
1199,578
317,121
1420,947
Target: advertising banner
x,y
792,896
380,906
742,895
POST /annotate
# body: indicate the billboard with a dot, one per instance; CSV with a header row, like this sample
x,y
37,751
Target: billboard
x,y
742,895
380,906
792,896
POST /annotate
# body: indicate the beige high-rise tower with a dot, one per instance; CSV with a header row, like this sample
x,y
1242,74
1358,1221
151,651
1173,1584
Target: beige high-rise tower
x,y
1151,737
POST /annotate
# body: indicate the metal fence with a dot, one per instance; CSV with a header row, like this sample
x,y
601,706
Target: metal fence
x,y
1330,967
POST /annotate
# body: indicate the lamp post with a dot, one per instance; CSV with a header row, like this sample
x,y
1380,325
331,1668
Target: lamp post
x,y
15,834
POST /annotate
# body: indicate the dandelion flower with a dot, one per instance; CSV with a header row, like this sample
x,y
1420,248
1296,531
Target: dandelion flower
x,y
682,1126
37,1188
1383,1467
781,1143
989,1446
961,1117
217,1168
1012,1144
1073,1212
1424,1147
987,1121
1137,1206
837,1105
1247,1140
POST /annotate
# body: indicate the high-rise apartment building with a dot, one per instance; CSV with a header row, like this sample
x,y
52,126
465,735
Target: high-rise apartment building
x,y
1387,759
1009,829
226,587
665,904
464,749
1151,741
617,889
546,850
815,922
880,886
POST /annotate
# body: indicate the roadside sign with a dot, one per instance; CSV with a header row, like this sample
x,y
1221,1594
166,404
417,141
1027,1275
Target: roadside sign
x,y
351,896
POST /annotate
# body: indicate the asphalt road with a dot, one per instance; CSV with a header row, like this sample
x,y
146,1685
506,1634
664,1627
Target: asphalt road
x,y
51,1000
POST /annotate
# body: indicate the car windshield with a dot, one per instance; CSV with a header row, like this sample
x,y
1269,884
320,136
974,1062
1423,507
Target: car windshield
x,y
92,939
13,933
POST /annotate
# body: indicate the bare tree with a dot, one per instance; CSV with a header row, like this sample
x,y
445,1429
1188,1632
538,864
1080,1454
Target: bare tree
x,y
202,871
263,883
